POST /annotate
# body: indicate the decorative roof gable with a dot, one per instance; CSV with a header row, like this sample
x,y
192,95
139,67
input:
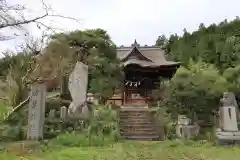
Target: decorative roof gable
x,y
135,53
145,56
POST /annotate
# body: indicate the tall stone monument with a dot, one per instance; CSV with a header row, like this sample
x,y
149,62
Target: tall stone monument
x,y
228,112
228,131
78,83
36,111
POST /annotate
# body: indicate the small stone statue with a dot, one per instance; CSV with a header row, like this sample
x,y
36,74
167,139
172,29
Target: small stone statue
x,y
228,99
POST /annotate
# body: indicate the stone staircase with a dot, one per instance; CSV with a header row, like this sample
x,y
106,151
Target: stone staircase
x,y
137,123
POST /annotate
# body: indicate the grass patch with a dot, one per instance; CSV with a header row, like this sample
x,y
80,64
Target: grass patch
x,y
134,150
75,139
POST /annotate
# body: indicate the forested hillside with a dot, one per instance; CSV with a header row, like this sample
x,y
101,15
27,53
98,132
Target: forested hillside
x,y
210,60
218,44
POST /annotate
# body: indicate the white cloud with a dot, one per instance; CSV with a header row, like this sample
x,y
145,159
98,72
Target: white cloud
x,y
144,20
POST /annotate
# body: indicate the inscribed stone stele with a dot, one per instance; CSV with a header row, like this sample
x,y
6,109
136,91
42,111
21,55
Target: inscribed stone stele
x,y
78,81
36,111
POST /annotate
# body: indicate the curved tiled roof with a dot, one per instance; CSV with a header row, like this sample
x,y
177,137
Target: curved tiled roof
x,y
154,53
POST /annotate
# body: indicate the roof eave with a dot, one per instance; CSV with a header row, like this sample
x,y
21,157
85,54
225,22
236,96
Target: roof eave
x,y
153,65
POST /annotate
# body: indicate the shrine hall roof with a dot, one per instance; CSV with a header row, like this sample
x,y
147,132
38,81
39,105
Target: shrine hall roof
x,y
154,55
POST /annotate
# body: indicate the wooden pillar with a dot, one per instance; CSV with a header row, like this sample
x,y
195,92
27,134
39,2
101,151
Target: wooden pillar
x,y
123,101
124,95
64,88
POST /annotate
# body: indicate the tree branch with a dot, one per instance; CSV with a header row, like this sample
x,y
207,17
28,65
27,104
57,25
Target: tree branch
x,y
22,22
7,19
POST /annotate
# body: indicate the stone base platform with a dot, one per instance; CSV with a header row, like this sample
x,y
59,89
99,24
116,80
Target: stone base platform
x,y
227,138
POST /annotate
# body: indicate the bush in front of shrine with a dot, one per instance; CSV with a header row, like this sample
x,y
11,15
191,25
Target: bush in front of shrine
x,y
196,88
101,130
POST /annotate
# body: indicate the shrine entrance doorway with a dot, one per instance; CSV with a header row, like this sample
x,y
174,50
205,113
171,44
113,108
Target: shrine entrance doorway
x,y
137,90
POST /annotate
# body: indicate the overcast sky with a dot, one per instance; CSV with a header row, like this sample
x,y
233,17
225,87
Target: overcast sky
x,y
144,20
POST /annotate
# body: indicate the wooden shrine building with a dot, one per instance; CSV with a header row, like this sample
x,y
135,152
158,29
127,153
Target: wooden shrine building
x,y
144,66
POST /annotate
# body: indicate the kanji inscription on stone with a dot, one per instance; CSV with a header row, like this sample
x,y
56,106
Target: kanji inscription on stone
x,y
36,111
78,82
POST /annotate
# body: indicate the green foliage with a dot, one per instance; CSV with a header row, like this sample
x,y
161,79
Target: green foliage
x,y
105,79
232,76
166,121
94,48
12,132
162,41
16,89
7,61
216,44
196,88
101,130
135,150
104,120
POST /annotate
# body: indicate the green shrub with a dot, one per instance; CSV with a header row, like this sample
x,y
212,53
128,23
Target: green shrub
x,y
232,76
12,132
166,123
196,88
102,129
104,121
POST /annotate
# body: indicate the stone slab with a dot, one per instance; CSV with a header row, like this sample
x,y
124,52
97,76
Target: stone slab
x,y
78,83
187,130
227,138
234,134
183,120
232,137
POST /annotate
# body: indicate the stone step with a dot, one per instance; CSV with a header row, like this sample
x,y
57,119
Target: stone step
x,y
139,133
146,127
136,125
135,105
138,129
144,130
134,109
134,113
135,119
143,138
133,122
134,116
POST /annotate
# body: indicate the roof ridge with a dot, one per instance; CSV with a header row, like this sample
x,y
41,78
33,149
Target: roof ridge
x,y
141,47
150,48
